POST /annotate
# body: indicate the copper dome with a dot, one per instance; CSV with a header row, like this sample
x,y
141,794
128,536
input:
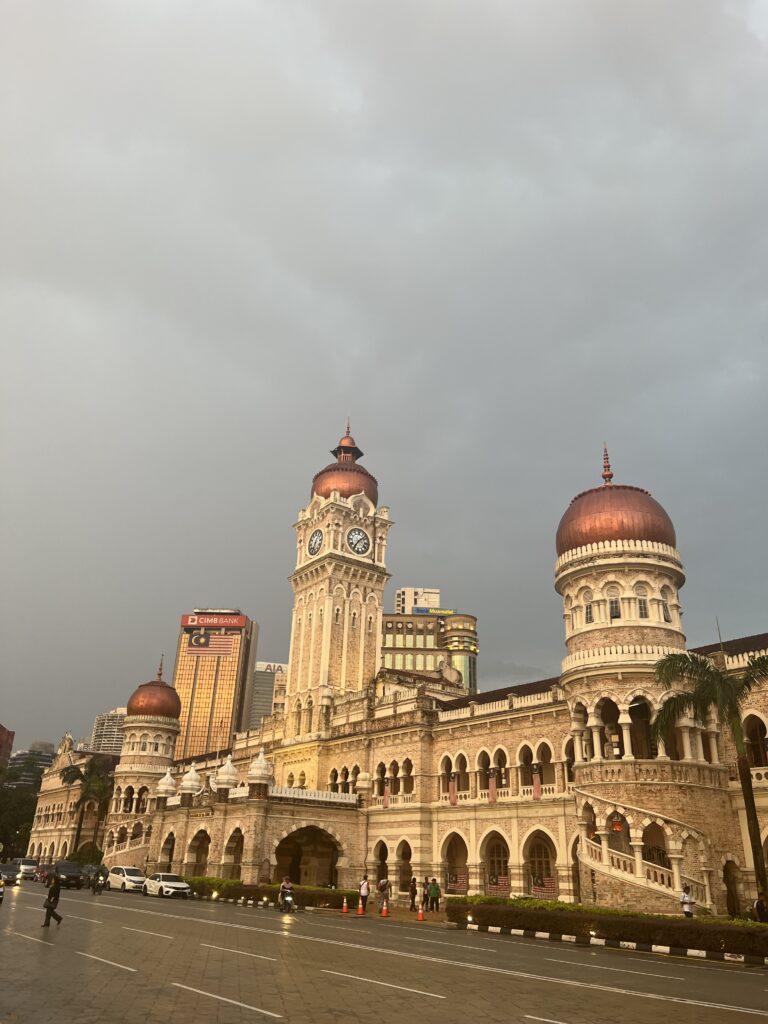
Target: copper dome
x,y
345,475
155,698
613,512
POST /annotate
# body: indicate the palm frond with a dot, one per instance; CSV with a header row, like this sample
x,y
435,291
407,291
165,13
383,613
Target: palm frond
x,y
677,706
686,667
756,672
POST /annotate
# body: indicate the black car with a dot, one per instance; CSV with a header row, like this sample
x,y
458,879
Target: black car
x,y
69,875
9,874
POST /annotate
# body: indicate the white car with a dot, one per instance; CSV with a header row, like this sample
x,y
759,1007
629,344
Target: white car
x,y
165,885
125,879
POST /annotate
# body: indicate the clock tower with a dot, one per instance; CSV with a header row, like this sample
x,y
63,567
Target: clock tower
x,y
338,586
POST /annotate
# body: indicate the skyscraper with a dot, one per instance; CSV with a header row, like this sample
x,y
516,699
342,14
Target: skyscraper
x,y
268,690
213,677
107,735
28,765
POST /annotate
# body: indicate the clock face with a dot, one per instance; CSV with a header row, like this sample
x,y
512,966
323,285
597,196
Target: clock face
x,y
314,542
358,541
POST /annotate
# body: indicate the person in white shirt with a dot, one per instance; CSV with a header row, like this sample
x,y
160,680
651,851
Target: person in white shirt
x,y
687,902
365,891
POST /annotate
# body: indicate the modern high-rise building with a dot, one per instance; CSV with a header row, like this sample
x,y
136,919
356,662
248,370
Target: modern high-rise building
x,y
107,735
28,765
428,637
408,598
268,688
213,677
6,745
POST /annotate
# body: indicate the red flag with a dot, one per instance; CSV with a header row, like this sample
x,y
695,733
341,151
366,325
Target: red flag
x,y
492,788
385,800
452,795
536,786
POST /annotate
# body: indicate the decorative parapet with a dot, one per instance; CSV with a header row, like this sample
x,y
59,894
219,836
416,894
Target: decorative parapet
x,y
312,795
617,548
735,662
616,653
514,702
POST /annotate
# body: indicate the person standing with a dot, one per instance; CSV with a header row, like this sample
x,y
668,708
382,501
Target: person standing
x,y
687,901
385,891
413,892
434,895
759,908
52,901
425,894
365,891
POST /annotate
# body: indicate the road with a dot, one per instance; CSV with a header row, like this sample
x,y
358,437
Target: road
x,y
126,959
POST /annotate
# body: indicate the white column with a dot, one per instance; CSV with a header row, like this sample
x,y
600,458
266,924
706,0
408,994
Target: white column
x,y
578,746
712,740
625,722
685,728
594,726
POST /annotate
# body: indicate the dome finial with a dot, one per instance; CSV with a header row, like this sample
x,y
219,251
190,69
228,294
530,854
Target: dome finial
x,y
607,471
348,433
160,669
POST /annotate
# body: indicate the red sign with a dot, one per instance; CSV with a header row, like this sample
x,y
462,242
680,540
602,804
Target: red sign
x,y
215,621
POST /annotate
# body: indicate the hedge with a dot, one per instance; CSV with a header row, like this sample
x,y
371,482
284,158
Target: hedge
x,y
306,895
708,933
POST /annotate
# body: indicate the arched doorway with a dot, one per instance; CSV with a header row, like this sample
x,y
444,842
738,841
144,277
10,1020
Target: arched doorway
x,y
232,859
539,861
655,846
166,853
640,728
380,857
732,883
617,828
455,858
494,853
308,856
754,740
137,831
403,854
197,854
64,849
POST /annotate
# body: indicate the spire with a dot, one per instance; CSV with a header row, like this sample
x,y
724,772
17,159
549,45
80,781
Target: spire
x,y
348,433
607,471
160,669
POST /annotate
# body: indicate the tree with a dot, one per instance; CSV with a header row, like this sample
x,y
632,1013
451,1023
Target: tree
x,y
711,689
17,812
95,781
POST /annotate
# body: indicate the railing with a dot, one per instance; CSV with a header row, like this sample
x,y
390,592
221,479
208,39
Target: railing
x,y
547,789
759,776
312,795
695,773
654,876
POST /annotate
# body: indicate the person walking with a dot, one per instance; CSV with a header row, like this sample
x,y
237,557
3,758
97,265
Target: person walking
x,y
365,891
51,902
413,892
385,891
434,895
687,901
425,894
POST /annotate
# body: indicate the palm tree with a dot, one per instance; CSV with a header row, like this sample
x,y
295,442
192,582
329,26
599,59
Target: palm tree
x,y
95,781
713,690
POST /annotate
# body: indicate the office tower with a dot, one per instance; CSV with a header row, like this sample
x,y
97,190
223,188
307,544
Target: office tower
x,y
268,690
107,735
408,598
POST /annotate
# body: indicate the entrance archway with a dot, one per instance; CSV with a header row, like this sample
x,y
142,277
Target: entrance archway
x,y
166,853
308,856
197,854
455,858
494,854
232,859
403,854
380,855
731,881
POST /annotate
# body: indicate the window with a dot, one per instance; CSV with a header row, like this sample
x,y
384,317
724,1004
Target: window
x,y
589,615
354,620
614,606
642,607
665,611
337,615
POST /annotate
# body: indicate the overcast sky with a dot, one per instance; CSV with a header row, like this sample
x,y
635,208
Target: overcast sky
x,y
493,233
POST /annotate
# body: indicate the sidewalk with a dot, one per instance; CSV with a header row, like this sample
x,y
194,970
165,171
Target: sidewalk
x,y
401,914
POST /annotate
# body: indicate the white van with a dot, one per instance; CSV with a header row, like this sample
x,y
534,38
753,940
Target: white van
x,y
26,868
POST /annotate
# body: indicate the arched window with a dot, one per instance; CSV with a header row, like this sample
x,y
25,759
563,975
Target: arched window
x,y
370,623
344,779
337,616
642,600
353,778
394,780
289,780
666,596
334,781
302,780
589,615
407,778
354,620
614,602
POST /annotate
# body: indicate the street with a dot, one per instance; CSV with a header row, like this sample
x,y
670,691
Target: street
x,y
133,960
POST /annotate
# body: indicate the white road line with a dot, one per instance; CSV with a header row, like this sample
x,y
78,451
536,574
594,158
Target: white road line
x,y
141,931
224,999
90,919
32,938
386,984
240,951
679,964
546,1020
103,961
621,970
456,945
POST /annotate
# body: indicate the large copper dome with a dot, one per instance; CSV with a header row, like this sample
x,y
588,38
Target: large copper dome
x,y
613,512
344,475
155,698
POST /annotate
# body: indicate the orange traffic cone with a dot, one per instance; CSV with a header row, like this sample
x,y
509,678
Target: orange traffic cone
x,y
384,910
344,907
360,911
420,915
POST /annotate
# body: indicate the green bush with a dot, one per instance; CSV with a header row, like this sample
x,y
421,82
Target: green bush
x,y
709,933
306,895
205,885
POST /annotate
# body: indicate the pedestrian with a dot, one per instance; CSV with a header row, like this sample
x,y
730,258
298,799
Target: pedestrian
x,y
385,891
687,901
760,909
365,891
413,892
51,902
434,895
425,894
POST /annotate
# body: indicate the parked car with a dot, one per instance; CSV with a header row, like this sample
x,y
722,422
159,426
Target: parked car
x,y
2,891
126,879
165,885
69,874
9,873
26,868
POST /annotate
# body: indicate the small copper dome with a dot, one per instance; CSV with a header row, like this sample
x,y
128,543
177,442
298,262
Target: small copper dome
x,y
155,698
344,475
613,512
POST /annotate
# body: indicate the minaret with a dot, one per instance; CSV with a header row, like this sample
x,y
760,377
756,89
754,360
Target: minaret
x,y
338,584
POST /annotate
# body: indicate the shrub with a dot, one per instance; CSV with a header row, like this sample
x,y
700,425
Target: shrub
x,y
306,895
709,933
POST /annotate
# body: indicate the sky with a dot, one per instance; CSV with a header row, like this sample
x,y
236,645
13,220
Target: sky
x,y
493,234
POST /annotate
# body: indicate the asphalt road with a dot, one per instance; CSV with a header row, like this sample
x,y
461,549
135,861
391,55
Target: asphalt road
x,y
124,959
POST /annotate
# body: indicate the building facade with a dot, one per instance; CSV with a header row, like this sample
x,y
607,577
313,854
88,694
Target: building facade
x,y
28,765
554,788
6,745
107,734
408,598
268,691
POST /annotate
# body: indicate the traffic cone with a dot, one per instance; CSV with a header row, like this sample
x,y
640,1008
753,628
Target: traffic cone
x,y
360,911
420,915
384,910
344,907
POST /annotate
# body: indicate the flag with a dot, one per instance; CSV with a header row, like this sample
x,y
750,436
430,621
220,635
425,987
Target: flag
x,y
385,796
536,785
212,645
492,788
452,796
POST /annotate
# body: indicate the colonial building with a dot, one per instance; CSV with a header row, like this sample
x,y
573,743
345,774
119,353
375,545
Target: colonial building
x,y
555,787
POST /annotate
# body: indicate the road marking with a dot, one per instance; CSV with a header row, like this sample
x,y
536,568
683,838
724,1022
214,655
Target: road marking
x,y
621,970
76,918
456,945
224,999
678,962
546,1020
386,984
141,931
103,961
32,938
240,951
